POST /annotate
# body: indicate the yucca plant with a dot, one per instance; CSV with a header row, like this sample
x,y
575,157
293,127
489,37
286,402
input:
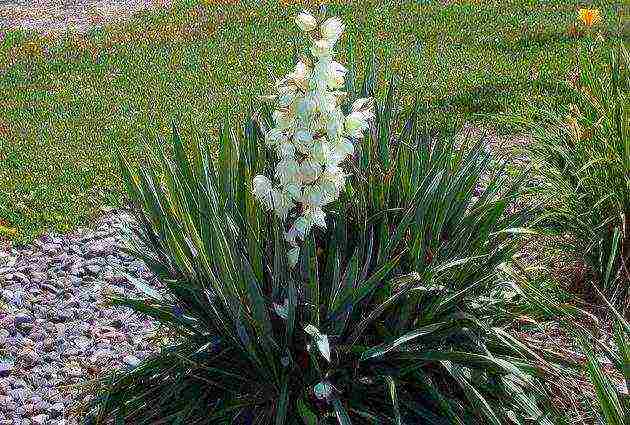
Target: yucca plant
x,y
613,403
582,164
389,316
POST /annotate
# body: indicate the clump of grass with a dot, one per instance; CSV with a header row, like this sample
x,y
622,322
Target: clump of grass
x,y
582,166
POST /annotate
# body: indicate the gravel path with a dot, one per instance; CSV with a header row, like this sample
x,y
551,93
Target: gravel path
x,y
58,15
55,331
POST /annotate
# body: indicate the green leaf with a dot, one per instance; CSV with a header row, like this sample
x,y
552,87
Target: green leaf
x,y
283,401
391,387
308,417
340,412
141,286
410,336
473,394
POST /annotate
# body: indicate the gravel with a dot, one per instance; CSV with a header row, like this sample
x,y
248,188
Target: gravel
x,y
48,16
55,330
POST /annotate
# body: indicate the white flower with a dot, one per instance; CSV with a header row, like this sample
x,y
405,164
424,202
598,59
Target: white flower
x,y
357,123
320,150
331,30
340,151
321,49
294,190
336,74
320,339
327,104
306,22
275,135
365,103
281,203
300,75
262,189
288,171
306,107
334,125
315,196
316,216
303,141
286,95
334,176
283,119
286,150
310,171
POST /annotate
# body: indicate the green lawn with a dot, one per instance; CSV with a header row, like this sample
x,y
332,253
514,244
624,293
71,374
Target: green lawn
x,y
65,108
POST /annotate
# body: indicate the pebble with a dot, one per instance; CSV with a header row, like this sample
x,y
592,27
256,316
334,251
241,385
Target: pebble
x,y
5,369
56,327
131,361
56,410
93,268
39,419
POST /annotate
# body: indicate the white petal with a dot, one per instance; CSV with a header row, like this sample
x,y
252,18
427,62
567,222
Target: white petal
x,y
262,187
286,150
274,136
282,203
306,22
314,196
320,150
334,126
356,124
294,190
287,171
336,74
331,30
306,107
300,75
320,339
318,217
310,171
303,136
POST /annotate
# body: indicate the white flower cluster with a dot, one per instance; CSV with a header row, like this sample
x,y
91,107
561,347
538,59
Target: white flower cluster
x,y
312,136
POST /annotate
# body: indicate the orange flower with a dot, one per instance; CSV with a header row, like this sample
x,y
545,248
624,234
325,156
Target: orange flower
x,y
589,17
8,231
32,48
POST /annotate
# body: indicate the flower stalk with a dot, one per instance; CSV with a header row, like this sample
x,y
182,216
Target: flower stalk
x,y
311,136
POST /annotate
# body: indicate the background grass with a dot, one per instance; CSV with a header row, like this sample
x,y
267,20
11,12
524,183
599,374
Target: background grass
x,y
67,101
